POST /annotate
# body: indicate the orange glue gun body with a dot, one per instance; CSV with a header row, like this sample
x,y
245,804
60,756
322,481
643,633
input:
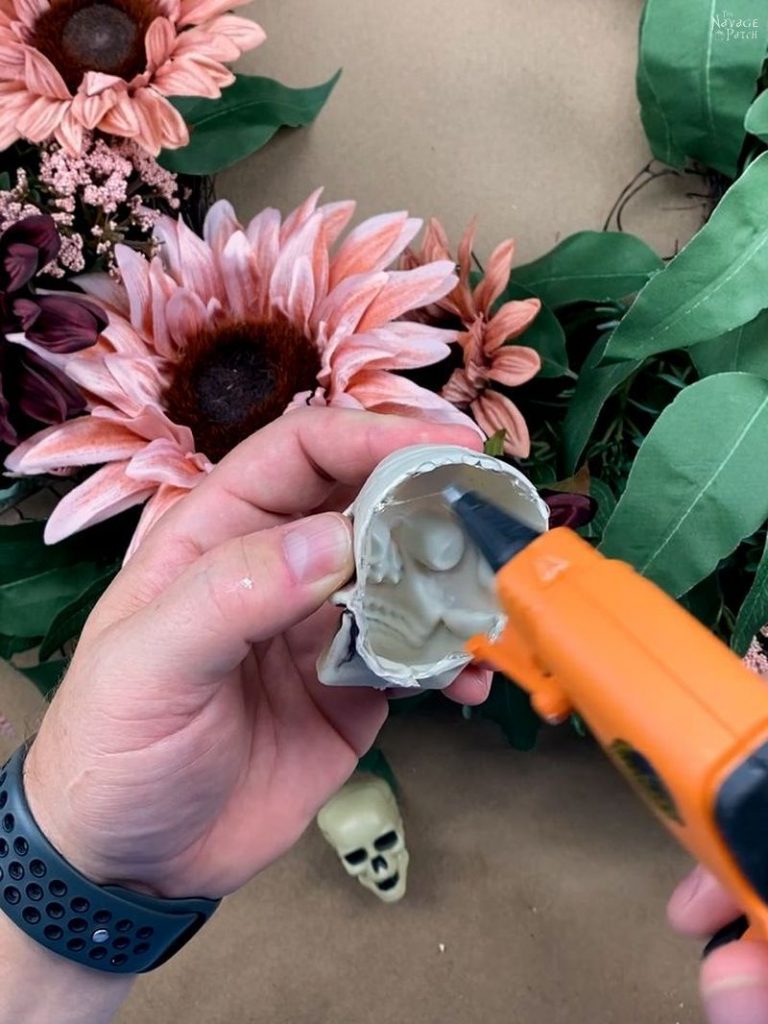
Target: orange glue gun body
x,y
673,707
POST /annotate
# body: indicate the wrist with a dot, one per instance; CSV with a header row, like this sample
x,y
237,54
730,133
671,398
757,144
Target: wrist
x,y
39,986
51,807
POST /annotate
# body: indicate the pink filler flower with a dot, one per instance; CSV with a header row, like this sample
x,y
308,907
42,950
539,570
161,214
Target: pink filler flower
x,y
221,335
67,66
486,356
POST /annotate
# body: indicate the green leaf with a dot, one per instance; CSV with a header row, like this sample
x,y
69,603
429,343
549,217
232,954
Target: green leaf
x,y
375,763
591,266
495,444
47,676
10,645
71,619
743,350
697,76
756,121
28,606
705,601
595,386
244,119
24,553
753,614
693,493
606,503
717,283
510,707
545,335
658,128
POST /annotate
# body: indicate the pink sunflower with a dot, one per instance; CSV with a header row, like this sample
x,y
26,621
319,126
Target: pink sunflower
x,y
72,65
487,356
224,334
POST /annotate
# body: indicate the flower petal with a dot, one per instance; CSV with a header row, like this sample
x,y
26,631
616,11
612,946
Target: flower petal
x,y
161,126
108,492
387,393
134,271
188,259
11,61
220,224
186,315
192,12
159,42
193,75
406,290
292,285
41,119
28,11
344,307
122,118
336,216
242,32
238,274
514,365
201,42
299,217
373,245
26,247
509,322
81,442
161,502
495,412
496,277
164,462
263,234
61,323
41,76
69,133
106,290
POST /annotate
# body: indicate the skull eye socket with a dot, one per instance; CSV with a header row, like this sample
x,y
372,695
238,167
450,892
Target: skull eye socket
x,y
355,857
387,841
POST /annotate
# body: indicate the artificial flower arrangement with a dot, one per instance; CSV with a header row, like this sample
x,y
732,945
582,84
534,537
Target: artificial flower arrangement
x,y
147,331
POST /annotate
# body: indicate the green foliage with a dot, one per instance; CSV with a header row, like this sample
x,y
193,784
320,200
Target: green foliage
x,y
686,506
510,708
495,443
697,76
375,763
593,266
716,284
596,384
744,349
756,121
69,621
606,503
249,112
753,614
46,676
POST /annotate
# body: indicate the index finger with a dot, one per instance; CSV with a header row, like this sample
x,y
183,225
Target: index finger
x,y
291,466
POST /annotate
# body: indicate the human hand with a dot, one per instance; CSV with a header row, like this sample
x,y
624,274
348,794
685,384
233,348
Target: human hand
x,y
734,978
190,743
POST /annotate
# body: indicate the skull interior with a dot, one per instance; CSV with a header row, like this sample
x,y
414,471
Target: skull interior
x,y
422,589
363,824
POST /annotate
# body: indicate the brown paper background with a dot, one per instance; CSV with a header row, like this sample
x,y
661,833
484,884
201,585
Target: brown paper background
x,y
539,873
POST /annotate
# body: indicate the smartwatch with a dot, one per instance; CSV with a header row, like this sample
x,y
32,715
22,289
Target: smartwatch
x,y
105,927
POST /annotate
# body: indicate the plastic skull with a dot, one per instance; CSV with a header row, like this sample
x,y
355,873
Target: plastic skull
x,y
421,588
363,824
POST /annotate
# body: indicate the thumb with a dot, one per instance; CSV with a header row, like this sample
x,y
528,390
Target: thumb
x,y
734,984
241,593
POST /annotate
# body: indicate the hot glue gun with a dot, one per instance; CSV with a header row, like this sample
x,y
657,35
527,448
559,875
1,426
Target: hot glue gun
x,y
672,706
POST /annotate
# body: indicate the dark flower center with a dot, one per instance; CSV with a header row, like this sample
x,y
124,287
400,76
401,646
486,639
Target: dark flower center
x,y
77,36
236,377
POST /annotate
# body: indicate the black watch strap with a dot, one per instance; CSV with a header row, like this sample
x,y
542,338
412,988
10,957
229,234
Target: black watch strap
x,y
105,927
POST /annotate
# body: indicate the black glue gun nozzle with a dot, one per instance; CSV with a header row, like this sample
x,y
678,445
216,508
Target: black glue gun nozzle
x,y
498,535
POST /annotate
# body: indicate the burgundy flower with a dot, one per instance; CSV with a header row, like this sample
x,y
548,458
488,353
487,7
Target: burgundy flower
x,y
31,390
566,509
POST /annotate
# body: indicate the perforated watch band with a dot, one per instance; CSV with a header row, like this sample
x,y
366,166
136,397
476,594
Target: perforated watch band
x,y
105,927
